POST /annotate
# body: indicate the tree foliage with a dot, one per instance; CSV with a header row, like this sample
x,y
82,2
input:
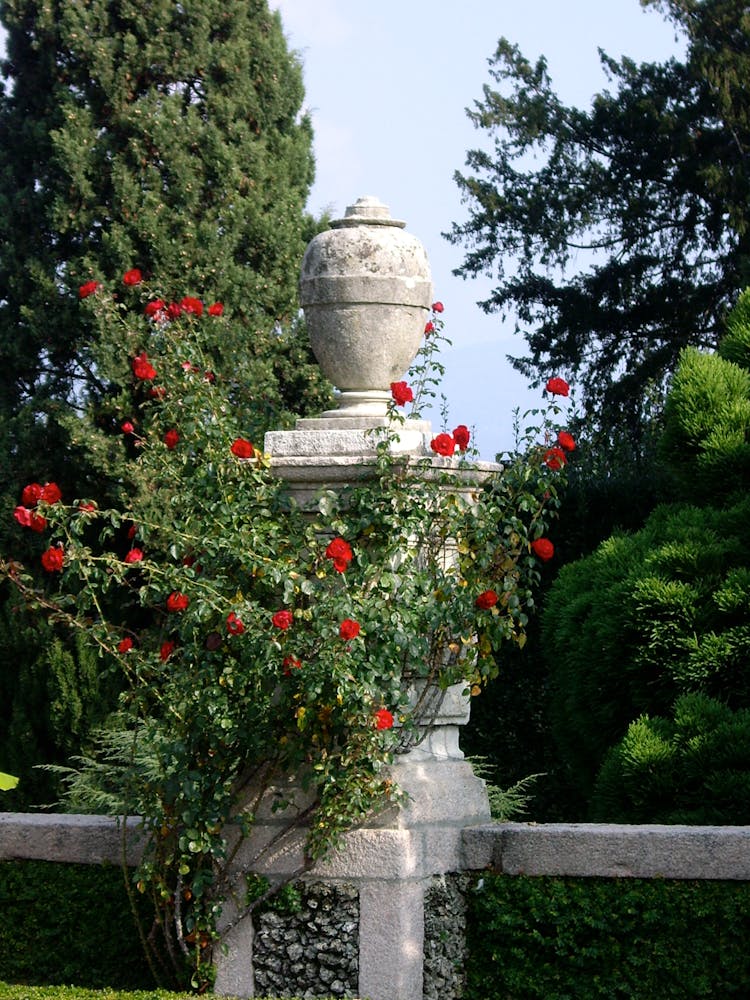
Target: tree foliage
x,y
164,136
617,234
653,618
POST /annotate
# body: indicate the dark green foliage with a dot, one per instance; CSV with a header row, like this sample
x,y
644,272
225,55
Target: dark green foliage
x,y
557,939
167,137
15,992
69,924
652,178
645,618
693,767
55,690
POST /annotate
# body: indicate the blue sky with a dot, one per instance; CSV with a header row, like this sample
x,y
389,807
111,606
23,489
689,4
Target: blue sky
x,y
387,85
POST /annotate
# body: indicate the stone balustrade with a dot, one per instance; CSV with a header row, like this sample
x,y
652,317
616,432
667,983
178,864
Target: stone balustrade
x,y
394,891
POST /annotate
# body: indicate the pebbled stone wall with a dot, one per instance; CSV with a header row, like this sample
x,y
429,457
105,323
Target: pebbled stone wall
x,y
312,952
445,954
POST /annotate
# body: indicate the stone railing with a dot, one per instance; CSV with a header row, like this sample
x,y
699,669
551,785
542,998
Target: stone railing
x,y
387,913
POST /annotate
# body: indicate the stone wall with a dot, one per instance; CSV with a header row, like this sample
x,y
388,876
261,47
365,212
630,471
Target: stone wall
x,y
444,946
310,949
381,920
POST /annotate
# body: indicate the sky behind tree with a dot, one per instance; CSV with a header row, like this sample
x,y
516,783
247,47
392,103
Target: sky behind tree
x,y
387,85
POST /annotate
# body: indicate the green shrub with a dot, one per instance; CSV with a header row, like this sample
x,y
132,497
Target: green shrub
x,y
707,423
561,938
691,768
69,924
644,619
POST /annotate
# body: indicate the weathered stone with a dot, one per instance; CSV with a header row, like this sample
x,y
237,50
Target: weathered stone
x,y
366,291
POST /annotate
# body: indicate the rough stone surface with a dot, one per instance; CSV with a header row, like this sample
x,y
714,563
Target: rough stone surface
x,y
313,952
72,838
445,953
610,850
366,289
391,937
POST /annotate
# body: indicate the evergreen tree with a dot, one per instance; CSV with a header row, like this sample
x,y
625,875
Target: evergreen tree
x,y
166,137
662,613
649,187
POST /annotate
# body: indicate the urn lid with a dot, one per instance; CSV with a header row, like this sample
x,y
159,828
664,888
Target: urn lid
x,y
367,211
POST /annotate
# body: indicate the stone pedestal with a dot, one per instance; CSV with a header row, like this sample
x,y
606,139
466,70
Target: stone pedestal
x,y
366,291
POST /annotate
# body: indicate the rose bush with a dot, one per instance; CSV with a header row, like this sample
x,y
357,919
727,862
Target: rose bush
x,y
258,641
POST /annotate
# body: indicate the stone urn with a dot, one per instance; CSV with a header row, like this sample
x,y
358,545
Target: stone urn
x,y
366,293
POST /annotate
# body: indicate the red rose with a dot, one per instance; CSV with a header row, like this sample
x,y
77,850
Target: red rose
x,y
171,438
125,645
429,328
87,508
173,310
31,494
132,531
216,309
291,662
156,310
127,427
134,556
157,391
555,458
50,493
558,387
282,619
437,307
29,519
192,306
167,648
349,629
461,436
132,277
52,559
401,393
177,601
234,625
340,552
443,444
486,600
543,548
87,289
142,368
23,516
383,719
242,448
209,376
566,441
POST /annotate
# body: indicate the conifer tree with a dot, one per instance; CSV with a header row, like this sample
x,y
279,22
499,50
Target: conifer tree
x,y
166,137
616,234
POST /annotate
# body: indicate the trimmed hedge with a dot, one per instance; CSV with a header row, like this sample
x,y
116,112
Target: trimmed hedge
x,y
70,924
8,992
564,938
